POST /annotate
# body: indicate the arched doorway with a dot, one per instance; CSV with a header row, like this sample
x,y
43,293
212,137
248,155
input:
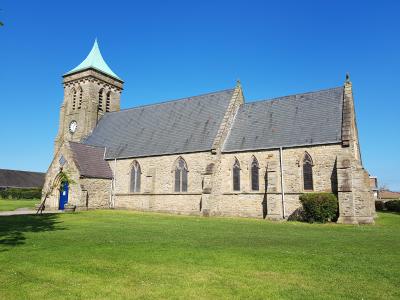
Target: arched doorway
x,y
63,195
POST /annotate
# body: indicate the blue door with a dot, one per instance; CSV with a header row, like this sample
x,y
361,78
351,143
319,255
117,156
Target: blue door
x,y
63,195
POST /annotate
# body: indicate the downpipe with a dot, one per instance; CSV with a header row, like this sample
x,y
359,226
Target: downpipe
x,y
282,183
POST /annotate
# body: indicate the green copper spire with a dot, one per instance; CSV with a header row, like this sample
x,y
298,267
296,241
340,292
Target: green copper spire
x,y
95,61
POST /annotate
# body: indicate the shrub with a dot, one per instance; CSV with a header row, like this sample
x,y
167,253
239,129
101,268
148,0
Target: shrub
x,y
297,215
379,205
393,205
14,193
319,207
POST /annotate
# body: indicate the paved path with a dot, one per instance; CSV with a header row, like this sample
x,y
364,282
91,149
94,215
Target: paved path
x,y
27,212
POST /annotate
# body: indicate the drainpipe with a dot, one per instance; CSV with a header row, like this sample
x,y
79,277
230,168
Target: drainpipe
x,y
112,182
111,193
282,183
115,182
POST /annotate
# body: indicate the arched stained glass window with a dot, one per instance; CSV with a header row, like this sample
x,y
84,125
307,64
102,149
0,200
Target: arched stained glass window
x,y
236,175
80,97
135,177
181,176
255,186
307,172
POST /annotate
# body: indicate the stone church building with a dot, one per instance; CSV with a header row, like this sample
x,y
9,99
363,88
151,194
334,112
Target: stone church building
x,y
213,154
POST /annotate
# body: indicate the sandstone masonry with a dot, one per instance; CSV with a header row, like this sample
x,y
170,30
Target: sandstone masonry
x,y
92,92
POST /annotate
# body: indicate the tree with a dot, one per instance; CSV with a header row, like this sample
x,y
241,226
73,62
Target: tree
x,y
384,187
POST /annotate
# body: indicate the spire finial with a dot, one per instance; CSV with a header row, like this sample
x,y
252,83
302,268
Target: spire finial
x,y
347,77
238,83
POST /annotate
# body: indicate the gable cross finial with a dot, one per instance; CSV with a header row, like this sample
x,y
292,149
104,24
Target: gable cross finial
x,y
347,77
238,83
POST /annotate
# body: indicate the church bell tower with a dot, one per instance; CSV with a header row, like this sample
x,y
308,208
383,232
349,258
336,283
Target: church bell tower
x,y
90,90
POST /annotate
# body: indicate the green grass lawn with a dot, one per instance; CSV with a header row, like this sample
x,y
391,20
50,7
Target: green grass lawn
x,y
122,254
6,204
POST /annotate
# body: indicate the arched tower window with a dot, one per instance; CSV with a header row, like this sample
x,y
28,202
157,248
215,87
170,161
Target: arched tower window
x,y
108,101
255,185
73,98
100,106
236,175
135,177
307,172
80,97
181,175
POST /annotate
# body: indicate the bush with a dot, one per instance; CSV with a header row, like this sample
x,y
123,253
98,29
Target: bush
x,y
21,193
297,215
393,205
319,207
379,205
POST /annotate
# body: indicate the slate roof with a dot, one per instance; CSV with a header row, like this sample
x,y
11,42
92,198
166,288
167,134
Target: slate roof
x,y
385,194
90,161
21,179
296,120
180,126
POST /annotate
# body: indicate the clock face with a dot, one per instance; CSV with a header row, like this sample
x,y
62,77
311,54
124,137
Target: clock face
x,y
72,126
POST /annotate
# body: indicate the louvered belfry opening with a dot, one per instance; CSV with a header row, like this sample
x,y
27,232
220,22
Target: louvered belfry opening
x,y
100,105
108,101
73,99
80,98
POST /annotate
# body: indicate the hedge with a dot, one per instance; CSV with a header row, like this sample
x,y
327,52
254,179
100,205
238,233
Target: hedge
x,y
14,193
319,207
393,205
379,205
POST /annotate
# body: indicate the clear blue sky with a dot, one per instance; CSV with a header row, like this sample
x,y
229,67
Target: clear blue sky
x,y
171,49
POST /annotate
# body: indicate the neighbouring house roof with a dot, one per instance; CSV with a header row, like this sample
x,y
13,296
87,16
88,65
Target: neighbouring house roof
x,y
21,179
180,126
90,161
385,194
296,120
94,61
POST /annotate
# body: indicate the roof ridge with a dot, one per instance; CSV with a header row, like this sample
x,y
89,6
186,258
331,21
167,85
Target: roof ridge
x,y
90,145
22,171
169,101
291,95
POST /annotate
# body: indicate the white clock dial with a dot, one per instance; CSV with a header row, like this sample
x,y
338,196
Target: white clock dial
x,y
72,126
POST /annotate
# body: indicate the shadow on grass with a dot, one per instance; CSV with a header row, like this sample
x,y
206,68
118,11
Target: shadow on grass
x,y
13,228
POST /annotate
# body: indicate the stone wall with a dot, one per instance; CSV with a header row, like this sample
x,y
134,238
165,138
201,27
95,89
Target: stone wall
x,y
267,201
210,184
83,192
95,193
52,183
356,201
212,190
157,183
